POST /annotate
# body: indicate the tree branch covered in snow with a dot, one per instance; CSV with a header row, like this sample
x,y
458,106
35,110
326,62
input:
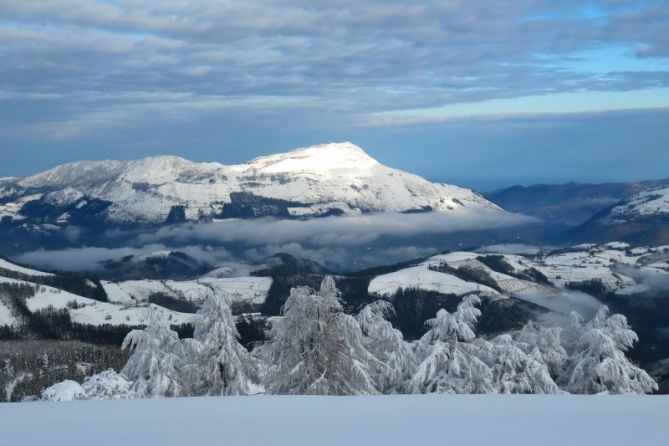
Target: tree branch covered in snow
x,y
315,348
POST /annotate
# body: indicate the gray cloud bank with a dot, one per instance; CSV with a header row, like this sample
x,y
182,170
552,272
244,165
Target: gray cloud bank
x,y
76,67
337,231
350,242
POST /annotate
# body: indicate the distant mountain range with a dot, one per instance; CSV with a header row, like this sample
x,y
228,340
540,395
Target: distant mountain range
x,y
85,199
634,212
641,219
569,204
89,200
330,179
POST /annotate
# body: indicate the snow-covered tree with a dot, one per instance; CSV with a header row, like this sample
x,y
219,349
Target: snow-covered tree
x,y
66,390
218,364
155,364
107,385
387,345
547,341
518,367
597,361
101,386
449,354
316,349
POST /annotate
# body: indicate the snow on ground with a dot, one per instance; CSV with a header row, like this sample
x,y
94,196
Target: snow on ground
x,y
423,278
6,317
325,177
379,420
102,313
4,264
510,248
616,265
621,269
239,289
242,289
47,296
648,202
91,311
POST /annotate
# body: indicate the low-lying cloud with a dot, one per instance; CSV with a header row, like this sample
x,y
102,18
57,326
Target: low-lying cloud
x,y
348,242
91,258
651,283
335,231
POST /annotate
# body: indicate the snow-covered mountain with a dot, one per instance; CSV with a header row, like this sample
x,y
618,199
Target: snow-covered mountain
x,y
570,204
602,270
25,292
329,179
640,219
653,202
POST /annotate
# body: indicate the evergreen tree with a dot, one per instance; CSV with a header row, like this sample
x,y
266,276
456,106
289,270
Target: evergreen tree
x,y
155,364
387,345
518,367
223,366
597,361
316,349
547,340
450,354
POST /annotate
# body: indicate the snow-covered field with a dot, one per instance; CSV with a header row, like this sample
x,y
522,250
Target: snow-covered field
x,y
649,202
251,290
4,264
381,420
619,269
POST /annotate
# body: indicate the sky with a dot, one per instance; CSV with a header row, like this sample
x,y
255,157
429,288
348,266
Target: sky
x,y
485,94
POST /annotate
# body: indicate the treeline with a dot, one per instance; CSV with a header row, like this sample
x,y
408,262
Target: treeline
x,y
27,367
86,286
56,324
316,348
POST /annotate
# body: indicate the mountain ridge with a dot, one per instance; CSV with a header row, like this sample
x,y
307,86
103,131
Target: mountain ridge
x,y
327,179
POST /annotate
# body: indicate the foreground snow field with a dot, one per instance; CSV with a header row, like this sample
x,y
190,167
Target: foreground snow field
x,y
385,420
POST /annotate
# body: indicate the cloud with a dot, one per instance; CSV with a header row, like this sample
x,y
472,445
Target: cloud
x,y
362,58
335,231
563,302
226,80
650,283
89,258
347,243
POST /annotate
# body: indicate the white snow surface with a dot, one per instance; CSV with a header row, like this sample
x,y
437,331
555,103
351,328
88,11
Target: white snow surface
x,y
4,264
620,269
647,203
90,311
238,289
67,390
337,175
420,277
128,300
6,317
501,420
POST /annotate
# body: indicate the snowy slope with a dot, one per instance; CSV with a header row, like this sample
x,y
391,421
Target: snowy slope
x,y
238,289
8,266
6,316
501,420
84,310
642,220
646,203
421,277
542,278
93,312
312,181
128,301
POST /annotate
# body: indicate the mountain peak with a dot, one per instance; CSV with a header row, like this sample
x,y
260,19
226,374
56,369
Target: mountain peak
x,y
318,158
326,179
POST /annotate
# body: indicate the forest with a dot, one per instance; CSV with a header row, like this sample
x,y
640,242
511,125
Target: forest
x,y
315,348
